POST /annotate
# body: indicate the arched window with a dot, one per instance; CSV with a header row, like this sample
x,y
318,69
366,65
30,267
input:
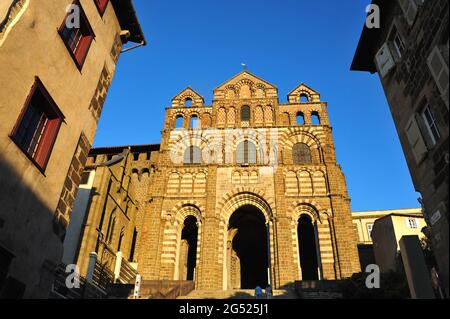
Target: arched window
x,y
133,245
246,153
300,118
188,249
122,234
188,102
315,118
304,98
245,113
179,121
306,232
301,154
286,120
195,122
193,155
111,226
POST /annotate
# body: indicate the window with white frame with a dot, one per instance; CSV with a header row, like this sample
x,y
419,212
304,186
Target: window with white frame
x,y
369,229
398,44
430,123
412,223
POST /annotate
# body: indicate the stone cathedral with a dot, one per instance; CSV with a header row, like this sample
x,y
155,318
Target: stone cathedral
x,y
242,193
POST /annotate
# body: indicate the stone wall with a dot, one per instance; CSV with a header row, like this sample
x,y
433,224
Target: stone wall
x,y
212,192
36,202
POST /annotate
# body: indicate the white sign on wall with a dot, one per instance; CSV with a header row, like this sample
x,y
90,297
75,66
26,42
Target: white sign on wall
x,y
435,217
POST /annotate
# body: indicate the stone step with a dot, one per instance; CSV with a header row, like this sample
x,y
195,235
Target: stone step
x,y
236,294
321,295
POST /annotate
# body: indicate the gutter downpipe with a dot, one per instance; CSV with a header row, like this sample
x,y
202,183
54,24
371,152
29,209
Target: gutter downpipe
x,y
143,43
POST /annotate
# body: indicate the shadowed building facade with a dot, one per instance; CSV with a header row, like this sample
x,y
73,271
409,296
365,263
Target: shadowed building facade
x,y
239,190
410,54
54,77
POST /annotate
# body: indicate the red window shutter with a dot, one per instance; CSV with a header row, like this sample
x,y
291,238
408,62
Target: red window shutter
x,y
46,144
83,49
102,5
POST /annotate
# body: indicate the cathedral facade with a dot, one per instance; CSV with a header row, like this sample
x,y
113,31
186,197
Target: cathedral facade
x,y
242,193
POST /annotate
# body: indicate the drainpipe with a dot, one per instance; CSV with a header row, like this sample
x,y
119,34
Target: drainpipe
x,y
134,47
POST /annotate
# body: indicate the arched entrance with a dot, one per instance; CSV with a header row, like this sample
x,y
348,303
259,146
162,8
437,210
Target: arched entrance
x,y
307,246
188,249
247,249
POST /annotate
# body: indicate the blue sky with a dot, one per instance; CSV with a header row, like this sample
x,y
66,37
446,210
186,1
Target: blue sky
x,y
202,43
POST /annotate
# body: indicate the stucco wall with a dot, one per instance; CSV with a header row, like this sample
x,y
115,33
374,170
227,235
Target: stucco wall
x,y
29,198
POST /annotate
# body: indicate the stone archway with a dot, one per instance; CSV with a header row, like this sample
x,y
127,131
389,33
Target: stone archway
x,y
310,229
188,249
258,212
181,246
308,249
247,249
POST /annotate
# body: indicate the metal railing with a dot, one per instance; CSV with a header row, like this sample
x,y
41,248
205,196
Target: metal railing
x,y
102,276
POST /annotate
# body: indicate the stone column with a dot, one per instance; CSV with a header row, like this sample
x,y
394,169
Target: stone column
x,y
91,267
118,266
284,269
210,272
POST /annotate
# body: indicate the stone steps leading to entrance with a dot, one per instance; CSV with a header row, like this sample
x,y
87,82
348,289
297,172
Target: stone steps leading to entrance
x,y
236,294
321,295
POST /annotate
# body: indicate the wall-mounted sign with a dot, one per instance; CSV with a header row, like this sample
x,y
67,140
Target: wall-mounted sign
x,y
435,217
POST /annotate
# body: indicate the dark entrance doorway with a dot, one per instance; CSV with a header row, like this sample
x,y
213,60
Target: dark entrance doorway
x,y
190,234
250,244
307,248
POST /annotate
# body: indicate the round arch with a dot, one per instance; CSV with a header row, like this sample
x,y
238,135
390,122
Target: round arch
x,y
301,136
183,254
246,198
311,208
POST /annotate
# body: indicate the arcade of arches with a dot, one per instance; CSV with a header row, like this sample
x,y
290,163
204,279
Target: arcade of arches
x,y
241,223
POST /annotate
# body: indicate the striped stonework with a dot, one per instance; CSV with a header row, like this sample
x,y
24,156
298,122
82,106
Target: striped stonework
x,y
172,243
286,181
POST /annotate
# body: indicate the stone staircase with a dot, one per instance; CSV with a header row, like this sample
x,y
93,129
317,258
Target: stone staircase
x,y
237,294
320,295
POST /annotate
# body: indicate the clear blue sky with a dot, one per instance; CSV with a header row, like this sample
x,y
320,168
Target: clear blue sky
x,y
201,43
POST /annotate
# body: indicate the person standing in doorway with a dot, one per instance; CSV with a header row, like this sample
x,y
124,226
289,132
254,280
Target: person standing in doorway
x,y
258,292
269,292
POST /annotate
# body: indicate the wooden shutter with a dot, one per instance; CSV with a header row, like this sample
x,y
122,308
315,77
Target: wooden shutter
x,y
83,48
439,70
384,60
101,4
47,142
415,139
